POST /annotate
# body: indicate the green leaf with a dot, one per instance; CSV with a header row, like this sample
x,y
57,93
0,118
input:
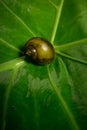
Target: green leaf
x,y
48,97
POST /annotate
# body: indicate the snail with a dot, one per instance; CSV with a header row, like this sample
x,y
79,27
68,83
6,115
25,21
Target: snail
x,y
39,51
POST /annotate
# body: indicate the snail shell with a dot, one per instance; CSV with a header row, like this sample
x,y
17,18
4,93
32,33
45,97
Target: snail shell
x,y
40,51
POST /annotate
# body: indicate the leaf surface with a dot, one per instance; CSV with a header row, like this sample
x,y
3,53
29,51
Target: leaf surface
x,y
43,97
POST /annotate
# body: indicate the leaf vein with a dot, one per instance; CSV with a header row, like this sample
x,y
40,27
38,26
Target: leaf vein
x,y
12,64
72,58
10,45
18,18
52,4
6,98
56,22
63,103
71,44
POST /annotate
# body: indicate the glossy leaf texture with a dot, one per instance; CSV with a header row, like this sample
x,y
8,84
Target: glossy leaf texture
x,y
47,97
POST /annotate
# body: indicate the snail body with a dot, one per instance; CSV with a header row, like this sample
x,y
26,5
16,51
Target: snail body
x,y
39,51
